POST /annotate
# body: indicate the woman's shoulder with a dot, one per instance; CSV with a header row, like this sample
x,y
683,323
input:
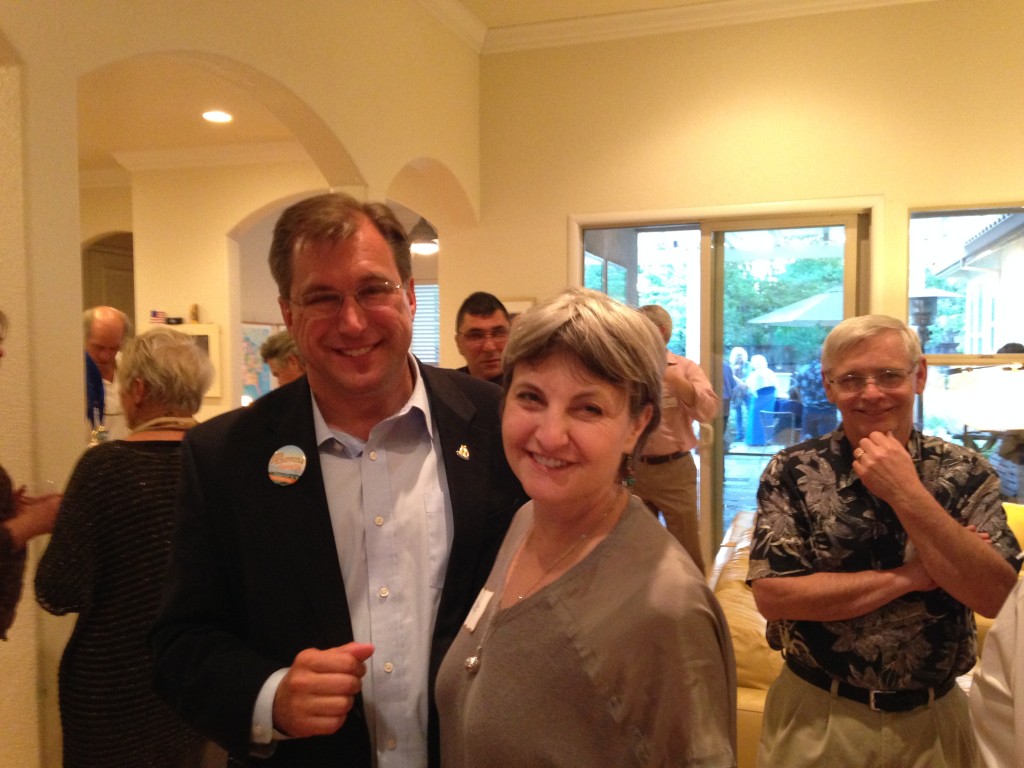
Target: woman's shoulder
x,y
646,572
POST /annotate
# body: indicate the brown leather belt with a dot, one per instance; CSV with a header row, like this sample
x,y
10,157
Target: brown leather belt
x,y
665,458
879,701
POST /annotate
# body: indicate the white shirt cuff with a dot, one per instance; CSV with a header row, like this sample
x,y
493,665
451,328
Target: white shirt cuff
x,y
263,711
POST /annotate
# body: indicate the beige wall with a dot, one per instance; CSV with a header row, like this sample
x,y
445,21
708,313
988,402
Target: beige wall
x,y
913,106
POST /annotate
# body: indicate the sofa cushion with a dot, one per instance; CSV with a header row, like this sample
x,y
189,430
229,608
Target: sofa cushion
x,y
757,665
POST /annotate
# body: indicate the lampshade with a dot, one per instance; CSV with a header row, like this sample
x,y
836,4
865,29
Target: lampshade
x,y
423,239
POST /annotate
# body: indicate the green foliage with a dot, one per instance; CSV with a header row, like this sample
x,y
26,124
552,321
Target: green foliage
x,y
748,295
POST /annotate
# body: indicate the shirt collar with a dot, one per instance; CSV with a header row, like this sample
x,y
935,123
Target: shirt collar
x,y
351,446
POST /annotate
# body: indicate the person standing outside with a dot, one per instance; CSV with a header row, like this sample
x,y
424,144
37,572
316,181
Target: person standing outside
x,y
482,326
819,415
666,474
363,503
740,393
869,557
105,329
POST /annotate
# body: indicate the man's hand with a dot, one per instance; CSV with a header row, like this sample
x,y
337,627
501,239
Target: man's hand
x,y
319,690
885,467
920,580
33,515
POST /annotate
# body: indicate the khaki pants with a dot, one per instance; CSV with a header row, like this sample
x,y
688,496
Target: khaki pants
x,y
671,488
807,726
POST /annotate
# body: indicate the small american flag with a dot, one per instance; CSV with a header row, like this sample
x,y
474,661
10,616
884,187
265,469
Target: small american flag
x,y
156,316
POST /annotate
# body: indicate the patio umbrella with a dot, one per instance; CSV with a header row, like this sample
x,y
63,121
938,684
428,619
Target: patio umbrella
x,y
820,310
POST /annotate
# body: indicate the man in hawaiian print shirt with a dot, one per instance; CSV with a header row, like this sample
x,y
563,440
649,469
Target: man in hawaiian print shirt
x,y
873,546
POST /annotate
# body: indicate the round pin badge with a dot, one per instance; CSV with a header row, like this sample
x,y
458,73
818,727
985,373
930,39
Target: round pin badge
x,y
286,465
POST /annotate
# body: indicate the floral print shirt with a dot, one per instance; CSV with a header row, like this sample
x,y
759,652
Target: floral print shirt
x,y
814,515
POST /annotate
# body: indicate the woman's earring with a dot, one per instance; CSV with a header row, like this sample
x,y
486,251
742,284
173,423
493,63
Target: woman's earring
x,y
628,481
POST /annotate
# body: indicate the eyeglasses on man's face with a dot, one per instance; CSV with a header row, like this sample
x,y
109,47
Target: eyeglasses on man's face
x,y
886,379
479,336
380,294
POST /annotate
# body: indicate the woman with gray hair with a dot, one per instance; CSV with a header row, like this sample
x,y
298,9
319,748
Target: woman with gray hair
x,y
106,563
595,640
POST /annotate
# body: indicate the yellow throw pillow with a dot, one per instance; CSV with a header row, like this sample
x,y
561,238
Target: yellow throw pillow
x,y
1015,517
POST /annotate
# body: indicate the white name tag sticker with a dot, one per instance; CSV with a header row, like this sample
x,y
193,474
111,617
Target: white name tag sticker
x,y
479,606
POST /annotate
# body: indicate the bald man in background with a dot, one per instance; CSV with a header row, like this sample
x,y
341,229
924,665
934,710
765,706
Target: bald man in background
x,y
105,329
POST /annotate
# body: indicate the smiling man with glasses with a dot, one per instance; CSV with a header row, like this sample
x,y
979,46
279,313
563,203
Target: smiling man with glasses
x,y
362,503
868,564
482,327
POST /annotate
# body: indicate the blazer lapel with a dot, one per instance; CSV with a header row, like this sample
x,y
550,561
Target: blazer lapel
x,y
302,521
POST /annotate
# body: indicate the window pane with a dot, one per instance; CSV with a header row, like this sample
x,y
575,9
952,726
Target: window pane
x,y
979,407
617,282
593,272
668,274
966,268
426,327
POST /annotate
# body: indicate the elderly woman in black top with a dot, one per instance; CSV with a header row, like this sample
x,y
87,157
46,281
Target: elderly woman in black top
x,y
106,563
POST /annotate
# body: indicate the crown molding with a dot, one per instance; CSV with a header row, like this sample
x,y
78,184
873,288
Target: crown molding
x,y
212,156
460,20
661,21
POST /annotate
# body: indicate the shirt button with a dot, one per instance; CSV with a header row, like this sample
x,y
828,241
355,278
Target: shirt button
x,y
392,744
389,667
378,520
373,455
384,592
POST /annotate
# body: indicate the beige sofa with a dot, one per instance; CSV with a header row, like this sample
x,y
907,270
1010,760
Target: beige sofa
x,y
757,665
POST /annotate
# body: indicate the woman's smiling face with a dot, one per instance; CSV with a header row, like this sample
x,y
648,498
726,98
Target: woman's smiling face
x,y
565,431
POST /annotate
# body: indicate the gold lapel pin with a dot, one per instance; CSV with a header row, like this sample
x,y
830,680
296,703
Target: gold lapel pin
x,y
463,452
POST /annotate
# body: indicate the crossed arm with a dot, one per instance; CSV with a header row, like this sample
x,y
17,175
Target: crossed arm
x,y
947,554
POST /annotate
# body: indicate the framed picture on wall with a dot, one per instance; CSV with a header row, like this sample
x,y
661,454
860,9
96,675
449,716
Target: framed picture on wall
x,y
517,306
208,339
256,377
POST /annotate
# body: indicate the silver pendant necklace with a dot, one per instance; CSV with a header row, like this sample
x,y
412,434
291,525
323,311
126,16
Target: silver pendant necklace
x,y
472,662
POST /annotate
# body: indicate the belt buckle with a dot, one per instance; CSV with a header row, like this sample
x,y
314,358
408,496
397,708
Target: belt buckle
x,y
872,696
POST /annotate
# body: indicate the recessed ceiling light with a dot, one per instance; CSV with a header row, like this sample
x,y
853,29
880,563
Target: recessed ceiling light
x,y
217,116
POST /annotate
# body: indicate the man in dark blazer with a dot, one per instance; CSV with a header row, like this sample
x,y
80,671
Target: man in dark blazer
x,y
258,643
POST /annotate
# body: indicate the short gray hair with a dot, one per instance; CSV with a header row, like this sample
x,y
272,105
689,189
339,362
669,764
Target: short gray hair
x,y
854,330
659,316
615,343
175,371
280,346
